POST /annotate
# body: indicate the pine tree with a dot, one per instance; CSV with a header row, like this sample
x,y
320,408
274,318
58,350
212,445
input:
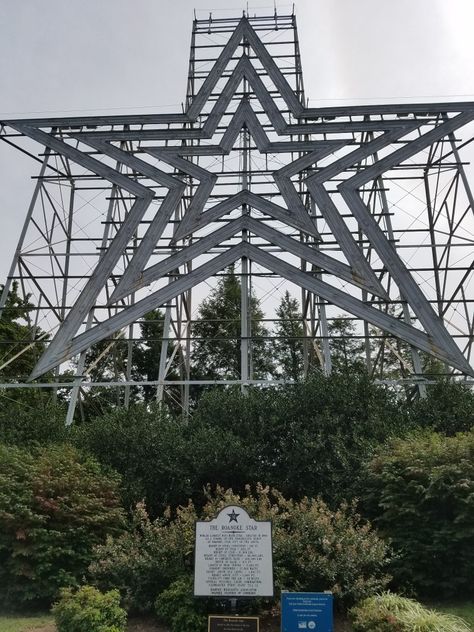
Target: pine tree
x,y
347,351
18,338
216,352
288,347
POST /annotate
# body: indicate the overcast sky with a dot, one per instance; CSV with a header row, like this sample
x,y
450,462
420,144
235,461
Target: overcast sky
x,y
126,56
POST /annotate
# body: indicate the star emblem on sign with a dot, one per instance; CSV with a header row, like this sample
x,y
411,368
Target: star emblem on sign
x,y
312,152
233,516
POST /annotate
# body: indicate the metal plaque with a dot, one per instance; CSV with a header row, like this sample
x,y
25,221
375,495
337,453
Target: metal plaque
x,y
233,556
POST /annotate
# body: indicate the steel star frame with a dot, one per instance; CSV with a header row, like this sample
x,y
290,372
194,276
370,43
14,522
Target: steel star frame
x,y
366,211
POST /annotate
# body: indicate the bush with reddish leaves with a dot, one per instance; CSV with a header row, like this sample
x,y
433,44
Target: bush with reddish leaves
x,y
55,505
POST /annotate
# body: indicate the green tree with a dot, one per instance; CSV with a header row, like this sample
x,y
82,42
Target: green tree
x,y
346,348
307,439
216,353
288,347
108,360
18,337
147,354
55,505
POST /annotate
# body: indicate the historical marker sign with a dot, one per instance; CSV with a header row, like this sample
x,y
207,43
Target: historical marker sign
x,y
233,624
233,556
305,612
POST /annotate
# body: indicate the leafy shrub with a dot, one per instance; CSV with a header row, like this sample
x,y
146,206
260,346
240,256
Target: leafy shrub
x,y
177,607
146,558
420,492
314,548
146,447
307,439
391,613
89,610
448,408
30,418
54,506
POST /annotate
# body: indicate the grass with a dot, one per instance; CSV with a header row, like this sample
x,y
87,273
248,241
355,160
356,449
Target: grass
x,y
464,609
18,623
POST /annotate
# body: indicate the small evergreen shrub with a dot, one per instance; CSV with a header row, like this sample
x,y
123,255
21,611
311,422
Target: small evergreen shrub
x,y
420,493
89,610
391,613
55,505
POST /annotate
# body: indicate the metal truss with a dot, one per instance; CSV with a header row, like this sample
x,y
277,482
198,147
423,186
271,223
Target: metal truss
x,y
366,210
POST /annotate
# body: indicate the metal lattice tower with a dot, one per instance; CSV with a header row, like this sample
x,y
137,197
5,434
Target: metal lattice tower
x,y
364,211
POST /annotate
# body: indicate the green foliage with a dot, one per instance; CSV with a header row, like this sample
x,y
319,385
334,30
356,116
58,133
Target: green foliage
x,y
146,558
19,341
32,419
420,492
216,352
88,610
308,439
447,408
346,350
146,356
54,506
391,613
288,346
177,607
463,609
146,446
314,549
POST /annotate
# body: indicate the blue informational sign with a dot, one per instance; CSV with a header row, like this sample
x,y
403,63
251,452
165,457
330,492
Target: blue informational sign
x,y
306,612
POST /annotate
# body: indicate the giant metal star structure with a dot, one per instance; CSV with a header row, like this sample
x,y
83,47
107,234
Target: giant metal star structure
x,y
351,165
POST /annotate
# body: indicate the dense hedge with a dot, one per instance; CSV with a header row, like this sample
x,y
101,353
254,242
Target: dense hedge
x,y
421,494
147,447
55,505
448,408
309,439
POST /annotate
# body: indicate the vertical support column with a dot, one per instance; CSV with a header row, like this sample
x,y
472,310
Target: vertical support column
x,y
90,319
163,354
245,300
415,356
